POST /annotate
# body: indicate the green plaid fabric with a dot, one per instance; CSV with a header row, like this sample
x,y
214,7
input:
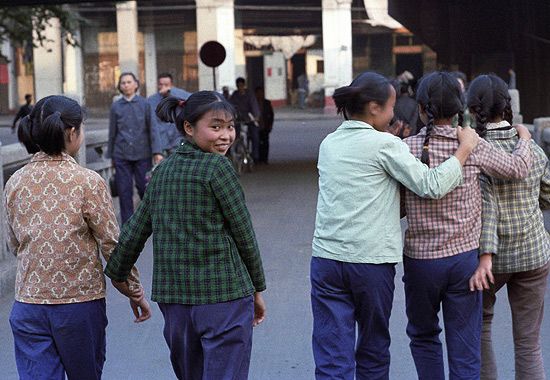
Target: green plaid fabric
x,y
513,224
204,247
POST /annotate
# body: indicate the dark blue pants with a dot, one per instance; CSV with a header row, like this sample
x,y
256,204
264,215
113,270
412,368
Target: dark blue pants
x,y
343,294
54,340
428,285
126,173
254,137
264,146
211,341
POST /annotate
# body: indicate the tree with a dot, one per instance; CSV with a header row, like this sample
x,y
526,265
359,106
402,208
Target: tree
x,y
18,23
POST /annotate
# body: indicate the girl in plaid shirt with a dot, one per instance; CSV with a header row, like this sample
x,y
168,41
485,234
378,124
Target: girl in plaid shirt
x,y
207,271
357,239
514,245
442,240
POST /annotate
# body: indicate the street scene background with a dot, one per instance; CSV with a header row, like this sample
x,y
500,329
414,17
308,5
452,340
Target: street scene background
x,y
282,198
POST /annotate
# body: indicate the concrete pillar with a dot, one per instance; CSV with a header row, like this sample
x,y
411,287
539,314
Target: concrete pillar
x,y
337,51
150,62
127,30
48,63
73,86
216,22
8,52
240,59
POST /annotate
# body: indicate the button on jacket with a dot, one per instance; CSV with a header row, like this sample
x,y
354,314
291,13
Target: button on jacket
x,y
360,172
170,137
513,223
131,136
60,217
204,247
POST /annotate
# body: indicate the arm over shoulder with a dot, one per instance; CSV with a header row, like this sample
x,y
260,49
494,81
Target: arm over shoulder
x,y
397,160
497,163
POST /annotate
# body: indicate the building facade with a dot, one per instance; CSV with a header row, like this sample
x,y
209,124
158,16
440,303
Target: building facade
x,y
269,42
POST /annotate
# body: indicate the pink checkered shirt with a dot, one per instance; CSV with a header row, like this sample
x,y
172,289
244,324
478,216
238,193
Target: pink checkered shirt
x,y
451,225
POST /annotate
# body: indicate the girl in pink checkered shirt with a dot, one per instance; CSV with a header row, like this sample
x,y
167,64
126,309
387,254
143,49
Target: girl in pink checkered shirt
x,y
442,241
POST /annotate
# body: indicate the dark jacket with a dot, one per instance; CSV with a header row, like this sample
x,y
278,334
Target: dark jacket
x,y
130,134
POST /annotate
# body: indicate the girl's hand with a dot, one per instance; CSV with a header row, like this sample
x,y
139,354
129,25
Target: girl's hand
x,y
523,132
478,281
141,310
259,309
123,287
467,138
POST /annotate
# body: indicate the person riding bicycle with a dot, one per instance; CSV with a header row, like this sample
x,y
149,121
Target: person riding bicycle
x,y
246,104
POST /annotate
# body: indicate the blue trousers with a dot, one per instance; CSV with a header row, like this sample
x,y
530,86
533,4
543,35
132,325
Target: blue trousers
x,y
54,340
212,341
254,137
126,173
343,295
428,285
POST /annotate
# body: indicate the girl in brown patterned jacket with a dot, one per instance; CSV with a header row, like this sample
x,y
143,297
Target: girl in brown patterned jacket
x,y
60,218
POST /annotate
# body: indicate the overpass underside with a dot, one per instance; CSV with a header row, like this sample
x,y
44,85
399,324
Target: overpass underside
x,y
488,36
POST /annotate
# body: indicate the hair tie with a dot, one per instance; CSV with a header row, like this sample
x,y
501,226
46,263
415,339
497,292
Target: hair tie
x,y
181,103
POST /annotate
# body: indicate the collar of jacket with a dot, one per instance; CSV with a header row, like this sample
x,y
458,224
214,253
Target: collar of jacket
x,y
355,124
447,131
41,156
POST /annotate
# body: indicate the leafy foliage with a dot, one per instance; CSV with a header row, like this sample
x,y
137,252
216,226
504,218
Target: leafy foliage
x,y
18,23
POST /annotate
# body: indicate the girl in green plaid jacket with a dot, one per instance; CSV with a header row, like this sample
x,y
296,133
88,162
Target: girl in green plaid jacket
x,y
514,244
207,270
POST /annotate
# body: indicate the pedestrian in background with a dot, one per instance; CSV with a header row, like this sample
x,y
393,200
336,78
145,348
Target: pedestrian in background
x,y
207,270
266,123
248,111
514,244
133,142
60,219
23,111
303,90
405,113
170,138
442,239
357,239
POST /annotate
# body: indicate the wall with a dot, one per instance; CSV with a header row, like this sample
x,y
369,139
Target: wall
x,y
275,78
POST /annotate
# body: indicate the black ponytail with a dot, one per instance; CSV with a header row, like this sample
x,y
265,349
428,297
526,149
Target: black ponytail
x,y
52,134
44,129
365,88
177,111
24,135
488,99
508,115
169,109
440,96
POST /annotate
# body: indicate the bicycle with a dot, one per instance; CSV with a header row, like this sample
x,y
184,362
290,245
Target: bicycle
x,y
240,153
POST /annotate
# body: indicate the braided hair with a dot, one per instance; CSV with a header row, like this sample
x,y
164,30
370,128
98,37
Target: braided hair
x,y
440,97
488,99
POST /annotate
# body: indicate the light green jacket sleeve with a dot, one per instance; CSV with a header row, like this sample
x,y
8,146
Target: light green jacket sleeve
x,y
398,161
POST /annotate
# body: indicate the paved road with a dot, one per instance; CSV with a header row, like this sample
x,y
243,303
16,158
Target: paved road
x,y
282,199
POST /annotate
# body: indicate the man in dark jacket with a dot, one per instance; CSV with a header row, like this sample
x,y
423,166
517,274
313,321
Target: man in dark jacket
x,y
266,123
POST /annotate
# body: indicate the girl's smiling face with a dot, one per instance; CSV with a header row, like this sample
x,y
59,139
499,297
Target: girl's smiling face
x,y
212,133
